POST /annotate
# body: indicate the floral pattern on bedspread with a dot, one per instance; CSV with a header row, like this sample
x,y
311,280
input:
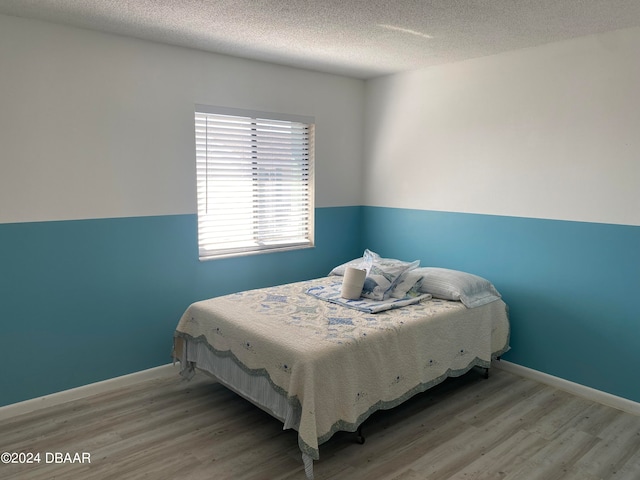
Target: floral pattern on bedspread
x,y
339,365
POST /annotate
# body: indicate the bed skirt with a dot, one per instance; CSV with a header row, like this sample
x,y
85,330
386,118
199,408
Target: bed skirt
x,y
256,389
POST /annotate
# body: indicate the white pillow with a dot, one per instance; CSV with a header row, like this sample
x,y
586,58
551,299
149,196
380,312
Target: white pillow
x,y
470,289
358,263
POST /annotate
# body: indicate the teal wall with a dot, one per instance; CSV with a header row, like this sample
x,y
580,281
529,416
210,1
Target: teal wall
x,y
87,300
572,287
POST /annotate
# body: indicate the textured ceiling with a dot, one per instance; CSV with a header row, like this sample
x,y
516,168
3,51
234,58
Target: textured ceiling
x,y
358,38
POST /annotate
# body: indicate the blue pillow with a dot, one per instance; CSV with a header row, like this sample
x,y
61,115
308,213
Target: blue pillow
x,y
383,274
408,285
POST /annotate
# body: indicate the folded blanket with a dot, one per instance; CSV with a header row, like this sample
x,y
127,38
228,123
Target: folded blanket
x,y
331,293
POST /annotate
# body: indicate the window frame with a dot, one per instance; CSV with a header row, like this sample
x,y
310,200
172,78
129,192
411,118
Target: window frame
x,y
303,166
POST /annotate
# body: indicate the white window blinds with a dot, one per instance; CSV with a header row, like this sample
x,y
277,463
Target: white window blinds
x,y
254,182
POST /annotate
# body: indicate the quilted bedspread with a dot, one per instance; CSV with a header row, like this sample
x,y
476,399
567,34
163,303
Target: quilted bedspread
x,y
337,365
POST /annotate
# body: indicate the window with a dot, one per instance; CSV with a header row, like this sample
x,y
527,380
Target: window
x,y
254,181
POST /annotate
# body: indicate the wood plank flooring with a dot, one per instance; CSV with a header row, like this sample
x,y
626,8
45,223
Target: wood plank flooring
x,y
506,428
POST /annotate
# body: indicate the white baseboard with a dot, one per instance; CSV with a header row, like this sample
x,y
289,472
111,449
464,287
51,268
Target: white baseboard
x,y
84,391
589,393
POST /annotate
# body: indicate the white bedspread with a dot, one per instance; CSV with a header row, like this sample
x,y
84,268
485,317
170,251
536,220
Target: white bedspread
x,y
338,365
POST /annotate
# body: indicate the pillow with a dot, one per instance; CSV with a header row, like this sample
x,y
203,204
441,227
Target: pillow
x,y
470,289
358,263
383,274
408,285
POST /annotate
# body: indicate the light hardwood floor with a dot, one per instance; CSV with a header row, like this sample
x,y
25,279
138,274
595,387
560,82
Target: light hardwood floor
x,y
506,428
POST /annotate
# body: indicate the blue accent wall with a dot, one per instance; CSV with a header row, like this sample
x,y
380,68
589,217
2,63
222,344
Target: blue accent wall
x,y
87,300
572,287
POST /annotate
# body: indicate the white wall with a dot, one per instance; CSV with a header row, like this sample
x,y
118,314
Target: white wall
x,y
546,132
94,125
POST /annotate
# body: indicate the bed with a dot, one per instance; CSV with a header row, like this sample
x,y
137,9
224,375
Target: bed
x,y
320,366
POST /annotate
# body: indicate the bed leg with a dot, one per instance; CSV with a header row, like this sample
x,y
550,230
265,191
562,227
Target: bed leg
x,y
360,436
486,370
308,466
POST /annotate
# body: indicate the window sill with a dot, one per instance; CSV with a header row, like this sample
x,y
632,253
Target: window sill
x,y
246,253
